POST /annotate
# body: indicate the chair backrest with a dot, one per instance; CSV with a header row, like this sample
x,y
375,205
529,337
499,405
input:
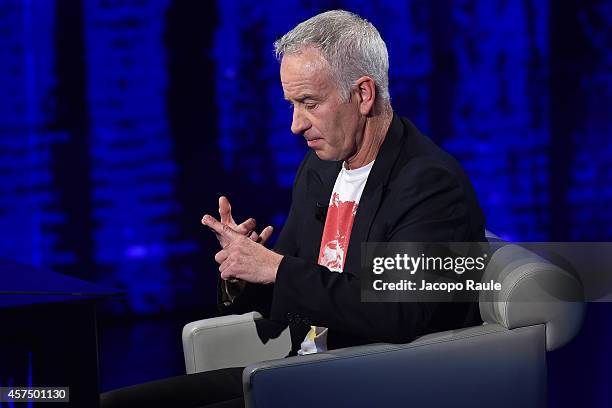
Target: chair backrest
x,y
534,291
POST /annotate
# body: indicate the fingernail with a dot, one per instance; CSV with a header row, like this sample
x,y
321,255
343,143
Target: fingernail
x,y
205,218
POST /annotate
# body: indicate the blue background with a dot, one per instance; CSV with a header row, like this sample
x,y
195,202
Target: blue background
x,y
122,121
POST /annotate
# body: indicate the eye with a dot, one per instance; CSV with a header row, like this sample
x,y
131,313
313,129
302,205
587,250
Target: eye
x,y
310,106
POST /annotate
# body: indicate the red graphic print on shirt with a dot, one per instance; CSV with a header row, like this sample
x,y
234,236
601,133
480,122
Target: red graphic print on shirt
x,y
337,233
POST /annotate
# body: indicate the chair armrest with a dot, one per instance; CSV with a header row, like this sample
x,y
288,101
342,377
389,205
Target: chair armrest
x,y
230,341
480,366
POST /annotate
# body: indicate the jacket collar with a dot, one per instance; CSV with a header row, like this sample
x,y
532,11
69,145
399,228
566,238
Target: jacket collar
x,y
386,157
373,192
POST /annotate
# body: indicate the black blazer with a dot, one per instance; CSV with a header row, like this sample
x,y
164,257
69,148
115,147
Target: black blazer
x,y
415,192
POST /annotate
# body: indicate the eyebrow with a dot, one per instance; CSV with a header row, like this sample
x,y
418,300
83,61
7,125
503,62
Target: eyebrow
x,y
301,98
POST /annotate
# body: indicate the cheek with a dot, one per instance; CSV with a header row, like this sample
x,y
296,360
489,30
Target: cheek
x,y
347,127
337,126
340,128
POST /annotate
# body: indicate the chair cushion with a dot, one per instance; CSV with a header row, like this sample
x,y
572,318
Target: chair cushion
x,y
534,291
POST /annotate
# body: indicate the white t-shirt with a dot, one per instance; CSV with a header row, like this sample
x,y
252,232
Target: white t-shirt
x,y
336,236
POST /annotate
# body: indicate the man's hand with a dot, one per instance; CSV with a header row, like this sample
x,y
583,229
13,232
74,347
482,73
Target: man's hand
x,y
242,258
247,228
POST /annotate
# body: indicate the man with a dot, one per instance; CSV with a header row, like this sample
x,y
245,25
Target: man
x,y
381,180
370,176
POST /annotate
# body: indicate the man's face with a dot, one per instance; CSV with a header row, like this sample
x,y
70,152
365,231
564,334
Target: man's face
x,y
332,128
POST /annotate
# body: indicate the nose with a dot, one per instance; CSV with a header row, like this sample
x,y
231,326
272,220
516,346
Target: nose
x,y
300,123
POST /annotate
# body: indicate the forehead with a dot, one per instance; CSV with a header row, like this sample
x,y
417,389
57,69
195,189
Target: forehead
x,y
306,72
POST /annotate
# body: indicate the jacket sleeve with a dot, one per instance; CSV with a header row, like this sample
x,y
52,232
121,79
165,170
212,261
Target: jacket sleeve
x,y
432,208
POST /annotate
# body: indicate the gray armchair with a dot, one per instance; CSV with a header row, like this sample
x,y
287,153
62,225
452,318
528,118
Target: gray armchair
x,y
501,363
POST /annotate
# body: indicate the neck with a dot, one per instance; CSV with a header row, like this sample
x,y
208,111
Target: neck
x,y
374,131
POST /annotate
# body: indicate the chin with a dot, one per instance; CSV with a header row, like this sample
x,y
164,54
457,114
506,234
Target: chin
x,y
323,155
327,155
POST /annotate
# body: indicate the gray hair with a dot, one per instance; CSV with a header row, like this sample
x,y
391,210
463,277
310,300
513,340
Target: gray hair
x,y
350,44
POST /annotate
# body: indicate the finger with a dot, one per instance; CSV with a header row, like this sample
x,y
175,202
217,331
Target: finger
x,y
204,222
222,229
228,273
248,225
253,236
225,211
225,269
221,256
265,234
217,227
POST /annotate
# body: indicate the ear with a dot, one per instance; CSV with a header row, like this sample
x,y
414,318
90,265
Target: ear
x,y
366,92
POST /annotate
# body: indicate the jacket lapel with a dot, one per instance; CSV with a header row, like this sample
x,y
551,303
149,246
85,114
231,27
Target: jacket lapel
x,y
320,184
373,190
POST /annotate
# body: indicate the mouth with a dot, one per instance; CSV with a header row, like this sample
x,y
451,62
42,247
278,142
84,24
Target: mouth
x,y
314,141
